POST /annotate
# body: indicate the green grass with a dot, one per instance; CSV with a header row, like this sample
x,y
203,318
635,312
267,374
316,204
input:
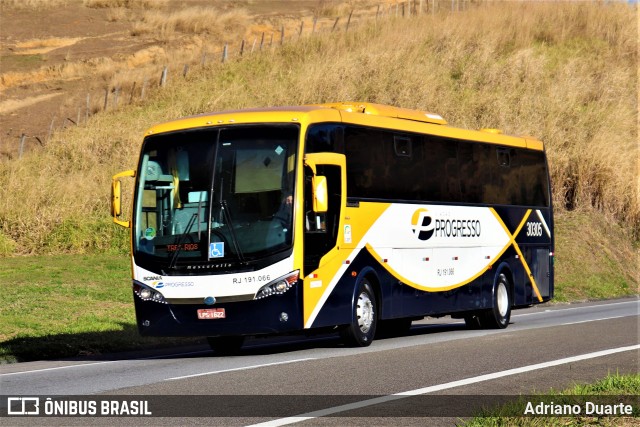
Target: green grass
x,y
595,258
612,390
67,305
12,62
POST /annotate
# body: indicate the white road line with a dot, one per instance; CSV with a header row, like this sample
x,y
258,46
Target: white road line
x,y
637,302
240,369
440,387
145,358
592,320
59,367
103,363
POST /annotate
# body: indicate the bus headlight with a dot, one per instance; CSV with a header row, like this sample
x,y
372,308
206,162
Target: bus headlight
x,y
148,294
278,286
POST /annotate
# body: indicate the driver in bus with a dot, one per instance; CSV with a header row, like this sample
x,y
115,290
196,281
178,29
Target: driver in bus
x,y
286,208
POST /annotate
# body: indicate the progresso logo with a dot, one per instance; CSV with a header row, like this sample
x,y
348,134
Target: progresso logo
x,y
422,224
425,227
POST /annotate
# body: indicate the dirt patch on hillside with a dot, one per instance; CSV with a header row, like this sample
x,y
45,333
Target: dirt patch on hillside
x,y
58,64
40,49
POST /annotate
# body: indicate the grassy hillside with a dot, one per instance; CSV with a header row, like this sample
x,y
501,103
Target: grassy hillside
x,y
565,73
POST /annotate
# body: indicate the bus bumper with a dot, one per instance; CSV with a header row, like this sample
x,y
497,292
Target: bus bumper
x,y
270,315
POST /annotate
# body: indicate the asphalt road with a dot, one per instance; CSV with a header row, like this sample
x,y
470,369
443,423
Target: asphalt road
x,y
436,374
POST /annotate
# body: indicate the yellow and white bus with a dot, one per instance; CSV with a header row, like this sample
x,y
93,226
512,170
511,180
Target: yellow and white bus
x,y
348,216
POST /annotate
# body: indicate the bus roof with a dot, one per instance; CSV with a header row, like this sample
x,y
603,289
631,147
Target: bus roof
x,y
360,113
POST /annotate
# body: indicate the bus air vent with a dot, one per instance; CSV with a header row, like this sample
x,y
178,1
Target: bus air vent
x,y
388,111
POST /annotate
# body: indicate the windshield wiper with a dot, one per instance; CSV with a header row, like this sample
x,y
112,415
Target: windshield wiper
x,y
183,236
234,238
192,220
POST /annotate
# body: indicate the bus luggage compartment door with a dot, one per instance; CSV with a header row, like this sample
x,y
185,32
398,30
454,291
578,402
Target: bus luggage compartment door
x,y
539,264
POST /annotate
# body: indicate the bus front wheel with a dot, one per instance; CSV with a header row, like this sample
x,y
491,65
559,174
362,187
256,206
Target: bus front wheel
x,y
362,329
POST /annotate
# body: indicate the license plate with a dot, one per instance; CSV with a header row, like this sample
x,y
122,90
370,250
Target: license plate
x,y
211,313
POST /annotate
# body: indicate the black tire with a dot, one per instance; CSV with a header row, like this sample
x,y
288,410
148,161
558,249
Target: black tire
x,y
226,345
498,316
362,330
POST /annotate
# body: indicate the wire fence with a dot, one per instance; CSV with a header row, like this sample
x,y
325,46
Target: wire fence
x,y
118,96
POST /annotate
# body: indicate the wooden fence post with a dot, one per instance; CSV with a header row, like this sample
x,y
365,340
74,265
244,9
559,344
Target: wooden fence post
x,y
163,76
261,41
281,35
224,52
315,21
21,149
144,88
50,129
301,28
88,107
106,99
185,70
133,89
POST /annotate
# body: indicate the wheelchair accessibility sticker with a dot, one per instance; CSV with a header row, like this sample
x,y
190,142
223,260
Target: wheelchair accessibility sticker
x,y
216,250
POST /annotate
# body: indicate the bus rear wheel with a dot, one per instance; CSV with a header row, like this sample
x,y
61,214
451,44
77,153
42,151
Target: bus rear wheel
x,y
225,346
499,315
361,331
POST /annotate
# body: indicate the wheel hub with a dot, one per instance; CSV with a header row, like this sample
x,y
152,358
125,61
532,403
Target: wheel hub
x,y
364,312
503,300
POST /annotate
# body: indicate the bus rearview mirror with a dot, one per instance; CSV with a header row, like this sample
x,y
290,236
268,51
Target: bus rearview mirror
x,y
116,197
320,194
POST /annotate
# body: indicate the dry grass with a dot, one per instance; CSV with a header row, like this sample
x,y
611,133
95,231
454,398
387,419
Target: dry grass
x,y
187,30
99,67
337,8
566,73
11,105
32,4
38,46
129,4
222,26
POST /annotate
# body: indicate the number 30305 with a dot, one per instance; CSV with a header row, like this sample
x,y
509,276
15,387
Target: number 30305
x,y
534,229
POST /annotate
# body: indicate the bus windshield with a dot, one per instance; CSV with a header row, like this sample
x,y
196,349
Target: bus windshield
x,y
220,194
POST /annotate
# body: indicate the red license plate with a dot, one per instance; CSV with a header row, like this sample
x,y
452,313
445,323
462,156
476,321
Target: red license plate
x,y
211,313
